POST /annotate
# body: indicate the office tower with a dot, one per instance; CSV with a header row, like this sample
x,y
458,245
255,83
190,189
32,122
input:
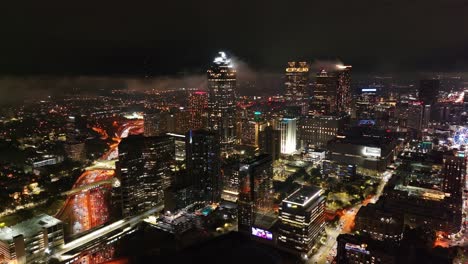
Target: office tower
x,y
203,164
302,219
222,101
270,142
297,85
454,172
366,102
179,144
332,91
318,130
155,124
415,115
250,130
255,197
429,91
29,241
287,128
180,122
144,168
198,107
343,93
230,176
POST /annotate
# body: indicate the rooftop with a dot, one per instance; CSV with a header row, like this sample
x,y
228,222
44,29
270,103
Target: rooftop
x,y
303,195
28,228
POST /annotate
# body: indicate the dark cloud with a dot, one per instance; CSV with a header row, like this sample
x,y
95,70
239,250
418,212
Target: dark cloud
x,y
167,37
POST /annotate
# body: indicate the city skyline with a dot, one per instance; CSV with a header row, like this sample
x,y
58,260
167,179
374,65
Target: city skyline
x,y
329,132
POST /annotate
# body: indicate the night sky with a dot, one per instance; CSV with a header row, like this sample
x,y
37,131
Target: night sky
x,y
170,37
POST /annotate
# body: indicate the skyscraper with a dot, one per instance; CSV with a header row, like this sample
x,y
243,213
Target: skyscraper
x,y
288,128
428,91
318,130
222,100
203,164
255,183
343,94
270,142
198,106
302,219
454,172
144,168
297,84
332,91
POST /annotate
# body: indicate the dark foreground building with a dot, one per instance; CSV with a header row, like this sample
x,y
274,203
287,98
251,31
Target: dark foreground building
x,y
144,169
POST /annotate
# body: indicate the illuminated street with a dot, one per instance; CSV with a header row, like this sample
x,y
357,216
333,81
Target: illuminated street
x,y
327,252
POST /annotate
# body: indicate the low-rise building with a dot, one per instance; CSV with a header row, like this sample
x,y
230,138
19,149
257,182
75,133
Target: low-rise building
x,y
30,240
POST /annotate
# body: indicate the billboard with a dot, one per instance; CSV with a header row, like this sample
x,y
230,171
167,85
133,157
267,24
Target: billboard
x,y
373,152
366,122
357,248
367,90
262,233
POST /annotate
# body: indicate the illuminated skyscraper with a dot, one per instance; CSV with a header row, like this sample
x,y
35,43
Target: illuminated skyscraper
x,y
297,84
287,128
255,183
302,219
198,106
222,100
203,164
144,168
343,97
454,172
332,92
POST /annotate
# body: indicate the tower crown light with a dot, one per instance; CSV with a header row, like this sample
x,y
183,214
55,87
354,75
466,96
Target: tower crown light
x,y
222,59
342,67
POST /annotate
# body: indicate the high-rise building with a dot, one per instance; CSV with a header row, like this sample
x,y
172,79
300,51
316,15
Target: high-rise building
x,y
203,164
144,168
198,107
343,93
255,197
297,84
415,115
250,130
332,91
222,100
302,219
318,130
270,142
155,124
288,128
454,172
429,91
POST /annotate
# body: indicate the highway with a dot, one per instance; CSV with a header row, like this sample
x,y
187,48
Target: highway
x,y
127,224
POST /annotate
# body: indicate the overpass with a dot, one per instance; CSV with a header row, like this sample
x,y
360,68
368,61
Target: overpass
x,y
69,250
112,182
